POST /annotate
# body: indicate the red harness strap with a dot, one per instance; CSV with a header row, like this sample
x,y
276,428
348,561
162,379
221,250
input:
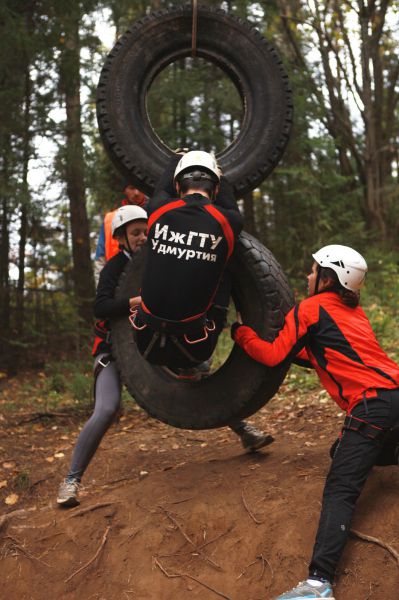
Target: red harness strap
x,y
225,225
364,428
102,335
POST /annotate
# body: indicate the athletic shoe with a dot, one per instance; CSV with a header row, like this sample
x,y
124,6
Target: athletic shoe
x,y
305,590
252,439
68,493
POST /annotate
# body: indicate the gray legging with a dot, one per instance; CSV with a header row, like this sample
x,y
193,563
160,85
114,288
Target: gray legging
x,y
107,400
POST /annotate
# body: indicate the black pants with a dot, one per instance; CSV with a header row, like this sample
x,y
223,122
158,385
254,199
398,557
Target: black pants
x,y
173,350
353,458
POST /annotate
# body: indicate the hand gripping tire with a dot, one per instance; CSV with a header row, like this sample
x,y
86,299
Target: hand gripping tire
x,y
238,49
240,386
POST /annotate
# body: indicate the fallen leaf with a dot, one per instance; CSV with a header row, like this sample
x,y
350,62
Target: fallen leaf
x,y
50,459
3,483
12,499
143,474
9,465
59,455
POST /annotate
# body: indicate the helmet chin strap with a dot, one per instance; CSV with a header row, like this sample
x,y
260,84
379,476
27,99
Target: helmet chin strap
x,y
126,243
316,285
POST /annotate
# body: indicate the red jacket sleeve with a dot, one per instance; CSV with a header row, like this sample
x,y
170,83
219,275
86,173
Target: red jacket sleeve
x,y
290,339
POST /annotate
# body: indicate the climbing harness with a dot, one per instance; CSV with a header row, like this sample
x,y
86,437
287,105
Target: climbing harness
x,y
365,429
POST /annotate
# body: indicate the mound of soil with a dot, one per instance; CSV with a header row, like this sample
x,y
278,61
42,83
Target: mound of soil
x,y
171,514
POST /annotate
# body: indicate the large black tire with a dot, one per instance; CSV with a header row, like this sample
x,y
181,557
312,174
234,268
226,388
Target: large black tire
x,y
240,386
238,49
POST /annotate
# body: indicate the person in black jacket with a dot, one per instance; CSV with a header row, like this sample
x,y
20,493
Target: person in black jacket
x,y
193,223
186,283
129,228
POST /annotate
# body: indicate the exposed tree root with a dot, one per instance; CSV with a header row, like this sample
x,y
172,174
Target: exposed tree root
x,y
101,546
249,510
173,575
190,541
374,540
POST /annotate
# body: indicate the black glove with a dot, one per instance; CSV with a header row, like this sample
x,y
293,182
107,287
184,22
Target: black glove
x,y
234,328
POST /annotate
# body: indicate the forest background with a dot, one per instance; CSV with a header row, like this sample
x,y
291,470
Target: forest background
x,y
337,181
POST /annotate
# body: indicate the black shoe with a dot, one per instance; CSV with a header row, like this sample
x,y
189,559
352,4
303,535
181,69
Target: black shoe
x,y
253,439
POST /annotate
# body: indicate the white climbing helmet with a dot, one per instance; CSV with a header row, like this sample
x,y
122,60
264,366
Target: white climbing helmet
x,y
126,214
197,160
349,265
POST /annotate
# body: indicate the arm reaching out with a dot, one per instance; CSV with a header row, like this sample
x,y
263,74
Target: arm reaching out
x,y
289,342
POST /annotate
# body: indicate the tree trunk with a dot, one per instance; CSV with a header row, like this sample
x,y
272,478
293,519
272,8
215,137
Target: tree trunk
x,y
5,247
24,207
75,167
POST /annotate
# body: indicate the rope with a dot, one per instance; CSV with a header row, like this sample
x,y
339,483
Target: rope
x,y
194,29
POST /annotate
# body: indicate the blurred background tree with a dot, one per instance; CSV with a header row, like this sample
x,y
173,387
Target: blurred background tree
x,y
337,181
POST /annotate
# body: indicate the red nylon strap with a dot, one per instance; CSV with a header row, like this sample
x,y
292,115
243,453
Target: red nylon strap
x,y
225,225
97,342
162,210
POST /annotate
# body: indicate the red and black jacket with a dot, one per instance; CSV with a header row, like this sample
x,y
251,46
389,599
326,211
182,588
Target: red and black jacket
x,y
189,243
339,343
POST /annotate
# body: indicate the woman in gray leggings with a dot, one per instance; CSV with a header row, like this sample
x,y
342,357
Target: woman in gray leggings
x,y
129,228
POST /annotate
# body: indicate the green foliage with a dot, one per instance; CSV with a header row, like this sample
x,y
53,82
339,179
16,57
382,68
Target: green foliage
x,y
309,200
192,103
222,350
301,380
380,298
22,480
71,378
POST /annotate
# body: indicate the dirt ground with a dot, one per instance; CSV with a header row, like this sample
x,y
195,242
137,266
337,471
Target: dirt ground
x,y
169,514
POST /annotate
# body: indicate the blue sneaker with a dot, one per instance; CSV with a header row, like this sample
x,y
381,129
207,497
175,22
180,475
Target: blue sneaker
x,y
305,590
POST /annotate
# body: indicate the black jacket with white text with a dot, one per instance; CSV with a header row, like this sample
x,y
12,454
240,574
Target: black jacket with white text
x,y
190,241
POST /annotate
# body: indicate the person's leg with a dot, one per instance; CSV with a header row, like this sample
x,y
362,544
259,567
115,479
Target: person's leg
x,y
389,453
107,402
353,458
251,438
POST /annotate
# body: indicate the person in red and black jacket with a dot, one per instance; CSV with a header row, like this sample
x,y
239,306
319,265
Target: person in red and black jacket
x,y
330,331
193,223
